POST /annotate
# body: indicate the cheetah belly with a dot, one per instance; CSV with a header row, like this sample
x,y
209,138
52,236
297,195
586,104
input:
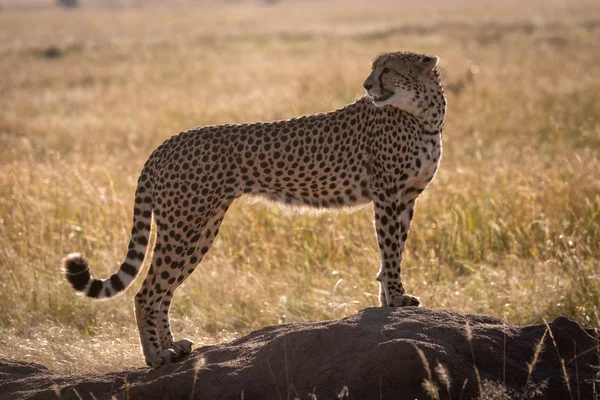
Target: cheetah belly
x,y
357,198
318,190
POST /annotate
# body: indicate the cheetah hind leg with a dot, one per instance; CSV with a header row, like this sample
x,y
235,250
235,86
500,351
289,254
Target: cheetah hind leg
x,y
148,303
158,350
194,252
396,298
182,347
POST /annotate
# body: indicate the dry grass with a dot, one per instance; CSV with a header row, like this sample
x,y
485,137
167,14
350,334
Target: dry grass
x,y
509,227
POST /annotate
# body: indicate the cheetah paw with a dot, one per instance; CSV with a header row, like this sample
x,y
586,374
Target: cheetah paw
x,y
183,347
405,301
162,357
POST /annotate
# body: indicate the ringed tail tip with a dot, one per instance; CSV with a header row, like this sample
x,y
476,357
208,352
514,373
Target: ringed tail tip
x,y
77,272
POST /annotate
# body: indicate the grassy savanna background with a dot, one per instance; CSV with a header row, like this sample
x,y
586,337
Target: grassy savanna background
x,y
510,226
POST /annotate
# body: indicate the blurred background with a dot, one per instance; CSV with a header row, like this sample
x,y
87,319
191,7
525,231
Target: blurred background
x,y
510,226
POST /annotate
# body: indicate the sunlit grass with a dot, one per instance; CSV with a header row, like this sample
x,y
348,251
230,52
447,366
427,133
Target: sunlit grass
x,y
510,226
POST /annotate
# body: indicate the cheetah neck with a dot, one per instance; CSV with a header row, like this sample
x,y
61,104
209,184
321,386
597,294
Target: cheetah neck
x,y
433,111
430,112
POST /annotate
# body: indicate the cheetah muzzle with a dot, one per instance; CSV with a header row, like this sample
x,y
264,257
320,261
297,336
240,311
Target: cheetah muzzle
x,y
386,94
384,148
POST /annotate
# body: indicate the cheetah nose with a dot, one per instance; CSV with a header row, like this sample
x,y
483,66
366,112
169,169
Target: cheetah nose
x,y
367,86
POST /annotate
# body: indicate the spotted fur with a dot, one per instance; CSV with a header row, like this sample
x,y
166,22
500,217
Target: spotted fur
x,y
383,148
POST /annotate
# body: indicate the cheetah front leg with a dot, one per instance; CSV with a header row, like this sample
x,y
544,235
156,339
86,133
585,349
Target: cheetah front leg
x,y
392,222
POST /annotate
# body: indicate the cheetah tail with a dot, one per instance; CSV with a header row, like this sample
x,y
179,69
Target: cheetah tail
x,y
76,267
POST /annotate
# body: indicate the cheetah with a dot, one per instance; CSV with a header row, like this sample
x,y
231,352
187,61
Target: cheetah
x,y
384,148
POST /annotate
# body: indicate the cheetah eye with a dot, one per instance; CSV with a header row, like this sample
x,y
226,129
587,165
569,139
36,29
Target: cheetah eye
x,y
386,70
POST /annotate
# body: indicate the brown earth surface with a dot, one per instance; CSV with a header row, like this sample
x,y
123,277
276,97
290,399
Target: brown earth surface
x,y
372,353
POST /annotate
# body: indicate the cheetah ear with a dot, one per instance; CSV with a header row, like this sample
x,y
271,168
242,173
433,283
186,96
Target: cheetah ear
x,y
429,63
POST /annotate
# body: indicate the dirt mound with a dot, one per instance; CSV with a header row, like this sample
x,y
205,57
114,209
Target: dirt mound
x,y
373,353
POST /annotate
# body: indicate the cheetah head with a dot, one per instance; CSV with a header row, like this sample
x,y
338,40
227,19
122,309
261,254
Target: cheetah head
x,y
402,80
